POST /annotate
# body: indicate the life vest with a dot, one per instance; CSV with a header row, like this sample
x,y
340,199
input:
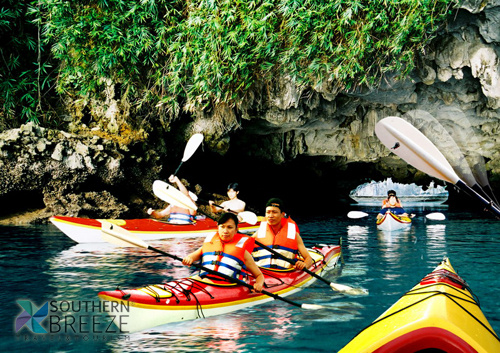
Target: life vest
x,y
285,243
226,257
179,215
385,204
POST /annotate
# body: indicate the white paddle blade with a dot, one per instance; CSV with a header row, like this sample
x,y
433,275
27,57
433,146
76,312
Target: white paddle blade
x,y
356,214
312,306
412,146
117,235
192,145
248,217
342,288
435,216
193,196
170,194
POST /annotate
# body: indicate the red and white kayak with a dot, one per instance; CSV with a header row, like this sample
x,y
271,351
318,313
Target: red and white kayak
x,y
86,230
390,221
191,298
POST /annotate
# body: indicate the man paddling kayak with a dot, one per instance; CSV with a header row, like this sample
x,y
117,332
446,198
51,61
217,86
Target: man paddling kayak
x,y
228,252
281,234
234,204
176,214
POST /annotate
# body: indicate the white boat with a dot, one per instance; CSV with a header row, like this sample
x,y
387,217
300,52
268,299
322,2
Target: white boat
x,y
390,222
373,193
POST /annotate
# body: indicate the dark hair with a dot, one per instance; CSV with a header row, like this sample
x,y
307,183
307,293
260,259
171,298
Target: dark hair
x,y
226,217
391,193
275,202
233,186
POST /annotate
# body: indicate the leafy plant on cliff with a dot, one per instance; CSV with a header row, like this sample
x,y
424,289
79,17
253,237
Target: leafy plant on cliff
x,y
25,66
165,56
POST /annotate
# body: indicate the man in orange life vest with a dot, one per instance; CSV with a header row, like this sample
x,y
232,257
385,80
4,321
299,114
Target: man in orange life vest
x,y
176,214
281,234
228,252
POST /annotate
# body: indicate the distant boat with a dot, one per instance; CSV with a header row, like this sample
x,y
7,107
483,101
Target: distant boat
x,y
373,193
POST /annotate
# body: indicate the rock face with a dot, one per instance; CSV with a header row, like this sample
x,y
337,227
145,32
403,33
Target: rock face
x,y
457,83
78,175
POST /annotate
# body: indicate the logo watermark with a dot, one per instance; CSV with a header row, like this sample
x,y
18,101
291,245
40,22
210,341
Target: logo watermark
x,y
84,320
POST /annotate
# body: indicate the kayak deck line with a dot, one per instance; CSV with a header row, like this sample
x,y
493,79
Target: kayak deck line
x,y
440,312
452,297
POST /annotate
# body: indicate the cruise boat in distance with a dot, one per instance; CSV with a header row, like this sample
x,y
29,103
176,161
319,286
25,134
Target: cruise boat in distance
x,y
373,193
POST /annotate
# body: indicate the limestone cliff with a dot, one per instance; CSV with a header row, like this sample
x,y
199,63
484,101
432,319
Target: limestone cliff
x,y
326,130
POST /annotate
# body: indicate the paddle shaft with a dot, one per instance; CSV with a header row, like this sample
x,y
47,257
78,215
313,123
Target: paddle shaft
x,y
226,277
179,167
291,261
489,205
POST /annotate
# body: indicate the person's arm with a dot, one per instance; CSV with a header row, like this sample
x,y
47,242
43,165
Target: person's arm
x,y
213,208
182,188
255,271
159,214
180,185
193,257
307,262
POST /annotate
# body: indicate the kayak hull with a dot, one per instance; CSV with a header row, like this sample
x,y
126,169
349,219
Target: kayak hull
x,y
87,230
390,222
439,313
191,298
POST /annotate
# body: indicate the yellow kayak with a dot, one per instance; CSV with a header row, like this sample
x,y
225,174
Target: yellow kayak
x,y
439,314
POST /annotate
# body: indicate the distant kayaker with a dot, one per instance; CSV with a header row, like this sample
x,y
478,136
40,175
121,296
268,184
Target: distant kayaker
x,y
234,204
228,252
176,215
281,234
393,204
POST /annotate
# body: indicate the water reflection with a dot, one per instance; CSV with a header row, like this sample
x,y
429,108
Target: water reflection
x,y
96,267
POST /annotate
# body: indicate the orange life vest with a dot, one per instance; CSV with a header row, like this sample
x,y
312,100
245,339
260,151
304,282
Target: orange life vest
x,y
226,257
285,243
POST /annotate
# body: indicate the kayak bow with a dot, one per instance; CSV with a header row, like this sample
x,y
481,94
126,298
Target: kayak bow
x,y
439,314
390,221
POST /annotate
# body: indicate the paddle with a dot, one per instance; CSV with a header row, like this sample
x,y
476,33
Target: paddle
x,y
412,146
191,147
122,237
436,216
335,286
356,214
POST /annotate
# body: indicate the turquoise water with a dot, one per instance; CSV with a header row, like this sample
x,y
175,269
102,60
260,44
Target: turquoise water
x,y
41,264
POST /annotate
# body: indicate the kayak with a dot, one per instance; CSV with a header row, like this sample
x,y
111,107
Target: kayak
x,y
193,298
390,221
439,314
87,230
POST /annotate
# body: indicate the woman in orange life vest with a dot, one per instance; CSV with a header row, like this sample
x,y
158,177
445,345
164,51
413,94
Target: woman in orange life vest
x,y
234,204
393,203
176,215
228,252
281,234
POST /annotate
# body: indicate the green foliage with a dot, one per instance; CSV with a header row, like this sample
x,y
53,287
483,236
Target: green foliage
x,y
165,56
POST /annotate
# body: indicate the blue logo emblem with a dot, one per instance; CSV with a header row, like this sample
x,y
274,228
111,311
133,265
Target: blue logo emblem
x,y
32,316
